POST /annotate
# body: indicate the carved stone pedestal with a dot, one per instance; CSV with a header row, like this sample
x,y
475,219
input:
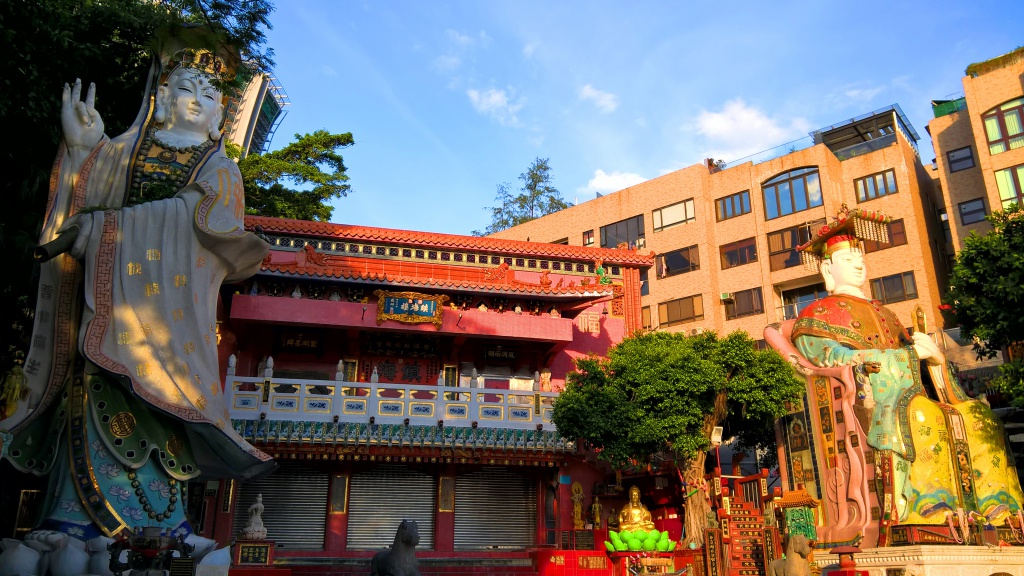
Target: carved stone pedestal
x,y
253,553
932,561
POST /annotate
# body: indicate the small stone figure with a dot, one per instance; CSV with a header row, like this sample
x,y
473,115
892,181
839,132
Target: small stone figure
x,y
374,377
400,559
613,519
255,530
712,521
795,563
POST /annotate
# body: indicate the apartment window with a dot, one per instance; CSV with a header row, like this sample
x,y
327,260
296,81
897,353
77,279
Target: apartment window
x,y
795,300
680,311
1008,182
588,237
629,232
566,240
895,288
875,186
744,303
732,206
897,237
960,159
678,213
791,192
1003,127
679,261
782,245
739,253
645,317
972,211
944,220
645,286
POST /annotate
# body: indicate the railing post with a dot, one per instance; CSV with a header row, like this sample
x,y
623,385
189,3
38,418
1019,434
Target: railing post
x,y
229,377
268,375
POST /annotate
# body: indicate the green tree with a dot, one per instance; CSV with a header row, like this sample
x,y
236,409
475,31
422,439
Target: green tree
x,y
536,198
986,294
48,43
661,393
312,163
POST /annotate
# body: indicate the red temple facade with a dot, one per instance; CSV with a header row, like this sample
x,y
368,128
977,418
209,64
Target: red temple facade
x,y
409,375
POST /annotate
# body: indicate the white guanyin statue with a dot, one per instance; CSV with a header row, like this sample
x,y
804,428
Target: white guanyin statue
x,y
123,355
254,529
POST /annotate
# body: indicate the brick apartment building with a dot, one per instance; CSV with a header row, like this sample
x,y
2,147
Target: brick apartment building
x,y
724,236
979,146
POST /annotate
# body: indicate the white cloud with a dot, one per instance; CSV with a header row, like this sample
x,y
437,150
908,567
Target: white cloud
x,y
604,182
328,71
460,46
529,49
739,130
861,94
497,104
447,63
604,101
459,38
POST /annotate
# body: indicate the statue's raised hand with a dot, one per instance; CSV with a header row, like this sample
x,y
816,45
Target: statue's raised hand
x,y
82,124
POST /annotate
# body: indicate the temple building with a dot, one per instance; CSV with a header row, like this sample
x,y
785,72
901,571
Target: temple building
x,y
409,375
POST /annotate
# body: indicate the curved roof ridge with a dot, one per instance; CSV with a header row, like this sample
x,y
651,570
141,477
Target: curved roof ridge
x,y
353,232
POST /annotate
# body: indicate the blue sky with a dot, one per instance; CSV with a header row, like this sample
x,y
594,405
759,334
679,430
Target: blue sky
x,y
446,100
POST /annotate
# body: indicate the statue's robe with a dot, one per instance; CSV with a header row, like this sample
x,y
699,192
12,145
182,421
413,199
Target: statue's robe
x,y
123,370
946,455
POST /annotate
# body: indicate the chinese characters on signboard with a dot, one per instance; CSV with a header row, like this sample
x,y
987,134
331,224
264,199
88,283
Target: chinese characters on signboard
x,y
409,307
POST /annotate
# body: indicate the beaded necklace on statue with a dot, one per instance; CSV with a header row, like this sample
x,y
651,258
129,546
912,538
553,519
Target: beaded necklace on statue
x,y
172,491
162,168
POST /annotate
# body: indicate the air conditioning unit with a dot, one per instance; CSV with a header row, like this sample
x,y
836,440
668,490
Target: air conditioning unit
x,y
696,331
726,296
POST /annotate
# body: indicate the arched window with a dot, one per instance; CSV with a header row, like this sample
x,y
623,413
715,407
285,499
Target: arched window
x,y
791,192
1003,126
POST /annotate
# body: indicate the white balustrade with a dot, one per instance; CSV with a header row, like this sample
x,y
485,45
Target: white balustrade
x,y
422,404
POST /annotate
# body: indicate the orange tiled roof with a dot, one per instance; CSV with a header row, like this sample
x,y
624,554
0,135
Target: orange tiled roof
x,y
349,232
422,274
794,498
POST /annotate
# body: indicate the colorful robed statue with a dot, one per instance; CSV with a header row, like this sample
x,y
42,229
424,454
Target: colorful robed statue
x,y
886,437
121,399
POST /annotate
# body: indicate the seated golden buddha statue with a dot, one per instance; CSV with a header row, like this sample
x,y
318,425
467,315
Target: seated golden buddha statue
x,y
634,515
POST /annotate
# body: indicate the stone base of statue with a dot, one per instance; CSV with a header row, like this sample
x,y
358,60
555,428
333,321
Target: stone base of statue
x,y
931,561
253,553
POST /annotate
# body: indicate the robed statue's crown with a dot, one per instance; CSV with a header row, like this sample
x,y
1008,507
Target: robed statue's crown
x,y
844,231
198,48
204,61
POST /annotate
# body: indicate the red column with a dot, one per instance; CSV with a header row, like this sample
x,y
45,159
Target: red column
x,y
444,517
223,513
336,530
564,502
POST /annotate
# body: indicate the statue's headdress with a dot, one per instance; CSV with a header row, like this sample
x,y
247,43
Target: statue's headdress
x,y
846,230
199,48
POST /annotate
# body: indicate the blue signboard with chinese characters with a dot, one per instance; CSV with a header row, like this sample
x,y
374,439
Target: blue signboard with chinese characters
x,y
409,307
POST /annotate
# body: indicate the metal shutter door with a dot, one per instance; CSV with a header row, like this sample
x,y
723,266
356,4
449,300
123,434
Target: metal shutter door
x,y
381,498
295,506
495,508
